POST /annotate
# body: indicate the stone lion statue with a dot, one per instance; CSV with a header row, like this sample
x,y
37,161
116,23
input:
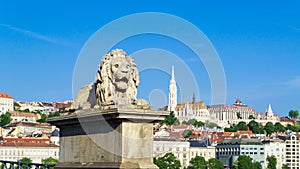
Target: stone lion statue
x,y
116,84
117,79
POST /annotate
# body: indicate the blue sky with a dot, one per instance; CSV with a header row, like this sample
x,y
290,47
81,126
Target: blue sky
x,y
257,42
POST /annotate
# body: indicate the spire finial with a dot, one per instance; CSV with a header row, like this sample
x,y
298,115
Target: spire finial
x,y
269,110
173,76
194,98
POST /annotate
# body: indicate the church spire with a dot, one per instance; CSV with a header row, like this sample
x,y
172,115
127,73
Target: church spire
x,y
173,76
269,110
172,92
194,98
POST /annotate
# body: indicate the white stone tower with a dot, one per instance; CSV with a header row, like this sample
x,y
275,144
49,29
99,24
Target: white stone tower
x,y
172,93
269,112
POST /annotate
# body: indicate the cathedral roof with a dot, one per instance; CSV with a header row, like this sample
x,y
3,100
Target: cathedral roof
x,y
200,105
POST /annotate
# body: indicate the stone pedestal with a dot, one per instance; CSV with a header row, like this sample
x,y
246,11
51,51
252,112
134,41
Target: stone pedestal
x,y
114,138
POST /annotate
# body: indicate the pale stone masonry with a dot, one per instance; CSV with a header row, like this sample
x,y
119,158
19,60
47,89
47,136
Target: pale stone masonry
x,y
180,149
292,150
35,150
202,148
6,103
275,148
172,93
183,150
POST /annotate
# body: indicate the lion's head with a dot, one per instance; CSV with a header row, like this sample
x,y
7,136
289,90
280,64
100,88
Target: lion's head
x,y
117,79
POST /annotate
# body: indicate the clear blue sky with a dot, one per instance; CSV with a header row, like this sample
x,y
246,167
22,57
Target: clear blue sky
x,y
257,42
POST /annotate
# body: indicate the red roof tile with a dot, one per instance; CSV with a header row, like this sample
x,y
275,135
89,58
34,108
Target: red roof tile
x,y
5,95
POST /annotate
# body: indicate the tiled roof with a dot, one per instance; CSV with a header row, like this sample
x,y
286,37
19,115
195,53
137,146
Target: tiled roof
x,y
200,143
30,139
5,95
18,114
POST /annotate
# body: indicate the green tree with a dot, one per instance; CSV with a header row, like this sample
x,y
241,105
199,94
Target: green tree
x,y
192,122
25,160
187,133
285,166
50,160
176,122
168,161
171,119
251,117
184,122
272,162
257,165
294,114
212,125
200,123
236,164
198,162
241,126
254,127
245,162
293,128
279,127
62,110
269,128
231,129
214,163
5,119
43,118
26,110
238,115
53,114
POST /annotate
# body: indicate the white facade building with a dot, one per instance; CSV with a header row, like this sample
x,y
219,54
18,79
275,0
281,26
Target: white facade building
x,y
36,106
14,151
227,114
275,148
202,148
292,151
6,103
20,116
233,114
179,149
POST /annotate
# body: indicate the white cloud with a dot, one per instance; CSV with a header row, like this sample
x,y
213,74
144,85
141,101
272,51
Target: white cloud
x,y
31,34
297,29
295,82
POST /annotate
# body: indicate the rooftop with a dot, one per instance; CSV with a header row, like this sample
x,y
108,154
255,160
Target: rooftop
x,y
241,141
5,95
